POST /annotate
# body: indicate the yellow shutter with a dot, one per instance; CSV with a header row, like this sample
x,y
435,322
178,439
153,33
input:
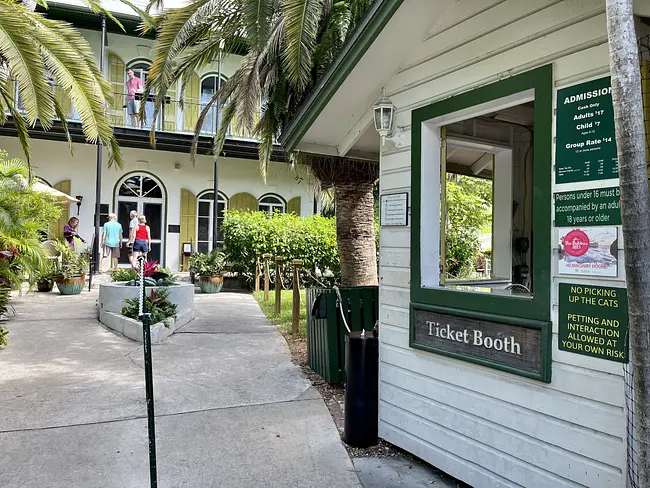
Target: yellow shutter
x,y
63,186
188,218
192,103
170,112
116,76
243,201
293,206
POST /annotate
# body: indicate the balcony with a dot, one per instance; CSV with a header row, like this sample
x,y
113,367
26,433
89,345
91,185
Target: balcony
x,y
173,119
174,129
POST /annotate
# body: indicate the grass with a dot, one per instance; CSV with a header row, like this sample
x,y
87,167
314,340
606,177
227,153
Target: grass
x,y
283,320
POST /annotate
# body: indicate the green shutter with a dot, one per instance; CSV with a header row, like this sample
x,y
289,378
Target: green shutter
x,y
188,219
243,201
293,206
63,186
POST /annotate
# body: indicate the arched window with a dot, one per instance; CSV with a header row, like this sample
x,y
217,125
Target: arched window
x,y
140,70
271,203
209,84
144,193
204,215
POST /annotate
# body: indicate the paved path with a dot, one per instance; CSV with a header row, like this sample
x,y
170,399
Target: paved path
x,y
232,410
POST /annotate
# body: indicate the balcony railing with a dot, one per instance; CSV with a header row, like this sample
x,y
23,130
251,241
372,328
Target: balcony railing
x,y
173,118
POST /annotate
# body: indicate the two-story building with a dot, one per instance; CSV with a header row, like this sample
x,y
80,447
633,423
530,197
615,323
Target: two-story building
x,y
175,195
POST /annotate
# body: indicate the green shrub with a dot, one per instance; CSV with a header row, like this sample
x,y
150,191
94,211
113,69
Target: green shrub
x,y
157,304
312,239
124,274
210,264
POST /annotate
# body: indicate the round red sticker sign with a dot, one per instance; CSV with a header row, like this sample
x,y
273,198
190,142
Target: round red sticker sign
x,y
576,243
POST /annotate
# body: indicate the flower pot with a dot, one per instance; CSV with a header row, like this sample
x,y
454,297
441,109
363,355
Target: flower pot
x,y
211,284
71,286
45,286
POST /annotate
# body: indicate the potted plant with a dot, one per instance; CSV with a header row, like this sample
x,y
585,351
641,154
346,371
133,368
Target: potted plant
x,y
71,276
46,276
208,268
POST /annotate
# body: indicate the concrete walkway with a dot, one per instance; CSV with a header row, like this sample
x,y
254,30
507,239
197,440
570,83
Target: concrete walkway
x,y
232,410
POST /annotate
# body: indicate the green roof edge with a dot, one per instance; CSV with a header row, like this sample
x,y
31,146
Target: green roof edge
x,y
373,23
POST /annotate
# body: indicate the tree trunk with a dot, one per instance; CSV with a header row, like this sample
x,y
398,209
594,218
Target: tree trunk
x,y
635,210
355,233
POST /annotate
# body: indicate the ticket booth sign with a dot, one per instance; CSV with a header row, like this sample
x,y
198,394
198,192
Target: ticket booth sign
x,y
520,347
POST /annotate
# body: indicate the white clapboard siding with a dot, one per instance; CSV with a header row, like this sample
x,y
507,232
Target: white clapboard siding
x,y
490,428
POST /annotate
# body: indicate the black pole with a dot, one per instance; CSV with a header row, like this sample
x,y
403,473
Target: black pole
x,y
98,177
148,377
215,207
145,318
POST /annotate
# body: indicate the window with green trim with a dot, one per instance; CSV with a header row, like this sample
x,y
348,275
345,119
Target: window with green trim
x,y
481,183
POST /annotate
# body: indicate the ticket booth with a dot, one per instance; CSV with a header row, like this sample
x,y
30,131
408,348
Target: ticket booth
x,y
503,310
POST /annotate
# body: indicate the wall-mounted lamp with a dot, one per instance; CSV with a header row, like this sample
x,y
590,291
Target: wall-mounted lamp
x,y
80,198
384,113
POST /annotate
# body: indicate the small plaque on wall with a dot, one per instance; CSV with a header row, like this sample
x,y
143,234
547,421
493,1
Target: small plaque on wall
x,y
174,229
394,209
518,349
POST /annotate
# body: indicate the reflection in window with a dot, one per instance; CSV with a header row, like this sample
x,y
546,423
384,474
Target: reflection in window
x,y
205,223
140,186
271,204
487,201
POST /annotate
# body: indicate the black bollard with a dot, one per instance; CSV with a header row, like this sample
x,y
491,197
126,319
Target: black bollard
x,y
361,389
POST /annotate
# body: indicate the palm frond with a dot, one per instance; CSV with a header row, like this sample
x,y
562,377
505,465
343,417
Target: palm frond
x,y
22,54
257,20
19,122
302,19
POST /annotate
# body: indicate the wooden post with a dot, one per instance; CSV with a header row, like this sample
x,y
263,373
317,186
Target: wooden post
x,y
278,283
258,273
295,323
267,276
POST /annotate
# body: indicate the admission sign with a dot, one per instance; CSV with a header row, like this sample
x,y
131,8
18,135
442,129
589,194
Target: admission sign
x,y
585,141
593,321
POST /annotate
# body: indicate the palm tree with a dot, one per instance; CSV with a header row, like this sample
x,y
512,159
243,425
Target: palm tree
x,y
38,54
289,44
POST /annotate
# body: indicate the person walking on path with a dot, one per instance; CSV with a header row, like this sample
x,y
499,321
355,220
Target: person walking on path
x,y
111,240
70,232
142,238
133,223
133,86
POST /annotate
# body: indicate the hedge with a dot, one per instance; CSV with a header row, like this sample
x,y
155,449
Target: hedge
x,y
312,239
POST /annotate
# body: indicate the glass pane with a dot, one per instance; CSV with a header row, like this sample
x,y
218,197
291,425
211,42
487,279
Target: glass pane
x,y
204,229
219,223
154,252
202,247
204,209
271,199
207,196
131,187
153,212
263,208
150,188
209,84
123,211
124,256
221,207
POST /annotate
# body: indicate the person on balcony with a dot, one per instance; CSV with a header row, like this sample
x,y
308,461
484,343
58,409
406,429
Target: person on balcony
x,y
133,86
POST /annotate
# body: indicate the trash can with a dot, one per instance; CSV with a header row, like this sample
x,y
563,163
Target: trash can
x,y
361,398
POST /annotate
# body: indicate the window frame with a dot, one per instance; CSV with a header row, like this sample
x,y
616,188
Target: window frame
x,y
282,205
222,197
538,82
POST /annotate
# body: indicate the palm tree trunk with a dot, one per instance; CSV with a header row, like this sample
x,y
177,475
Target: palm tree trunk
x,y
635,210
355,233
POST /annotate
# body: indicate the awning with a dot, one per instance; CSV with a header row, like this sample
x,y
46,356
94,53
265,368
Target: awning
x,y
53,192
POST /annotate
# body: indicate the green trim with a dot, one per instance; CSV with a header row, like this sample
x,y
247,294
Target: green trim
x,y
539,307
163,249
546,339
365,34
